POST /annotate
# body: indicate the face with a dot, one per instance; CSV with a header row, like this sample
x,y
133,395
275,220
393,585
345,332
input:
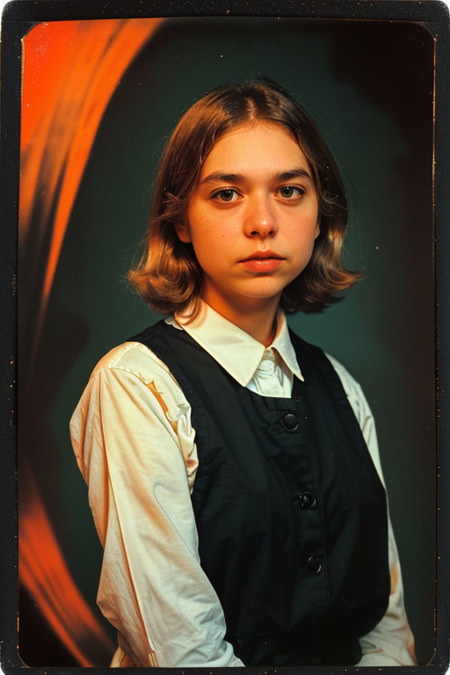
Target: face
x,y
253,218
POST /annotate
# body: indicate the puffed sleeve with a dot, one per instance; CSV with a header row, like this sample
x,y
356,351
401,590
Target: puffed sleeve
x,y
134,444
391,642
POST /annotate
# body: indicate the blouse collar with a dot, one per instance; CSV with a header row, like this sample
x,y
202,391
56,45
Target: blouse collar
x,y
234,349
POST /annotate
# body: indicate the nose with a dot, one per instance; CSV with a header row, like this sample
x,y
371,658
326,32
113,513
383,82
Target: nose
x,y
260,219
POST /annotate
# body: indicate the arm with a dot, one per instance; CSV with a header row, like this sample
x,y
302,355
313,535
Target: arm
x,y
135,447
391,642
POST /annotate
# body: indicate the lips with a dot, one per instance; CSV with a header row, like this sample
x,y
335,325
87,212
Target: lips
x,y
263,255
262,261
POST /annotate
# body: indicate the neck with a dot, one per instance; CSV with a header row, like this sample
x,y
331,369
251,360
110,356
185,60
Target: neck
x,y
256,319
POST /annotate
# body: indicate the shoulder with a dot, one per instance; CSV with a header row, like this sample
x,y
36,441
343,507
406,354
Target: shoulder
x,y
362,411
132,374
351,386
133,411
323,360
130,382
133,358
361,408
354,392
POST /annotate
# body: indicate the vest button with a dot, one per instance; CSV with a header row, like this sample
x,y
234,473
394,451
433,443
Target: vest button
x,y
313,565
290,421
308,501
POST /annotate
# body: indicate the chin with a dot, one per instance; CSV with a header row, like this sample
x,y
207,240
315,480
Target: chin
x,y
263,295
265,291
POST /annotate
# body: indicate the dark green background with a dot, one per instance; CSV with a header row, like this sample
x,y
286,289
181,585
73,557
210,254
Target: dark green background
x,y
369,86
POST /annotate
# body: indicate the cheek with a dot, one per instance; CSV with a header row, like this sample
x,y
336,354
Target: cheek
x,y
304,231
207,244
209,236
303,245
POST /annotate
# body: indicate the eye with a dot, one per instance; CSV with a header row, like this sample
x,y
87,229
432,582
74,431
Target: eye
x,y
226,195
290,192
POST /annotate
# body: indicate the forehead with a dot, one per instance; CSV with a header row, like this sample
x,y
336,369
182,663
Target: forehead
x,y
255,145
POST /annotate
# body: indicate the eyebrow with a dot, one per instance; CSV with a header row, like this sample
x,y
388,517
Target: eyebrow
x,y
295,173
219,177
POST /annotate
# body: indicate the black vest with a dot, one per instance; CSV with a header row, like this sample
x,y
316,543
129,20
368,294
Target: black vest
x,y
290,511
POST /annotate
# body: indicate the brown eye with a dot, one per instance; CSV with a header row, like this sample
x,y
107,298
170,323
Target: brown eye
x,y
227,195
290,192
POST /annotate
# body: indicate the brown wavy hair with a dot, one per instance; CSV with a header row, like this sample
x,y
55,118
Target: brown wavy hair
x,y
168,277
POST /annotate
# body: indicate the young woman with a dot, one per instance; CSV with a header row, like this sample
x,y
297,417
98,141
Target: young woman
x,y
233,469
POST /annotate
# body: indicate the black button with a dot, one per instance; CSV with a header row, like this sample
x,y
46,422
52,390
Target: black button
x,y
307,500
313,565
290,421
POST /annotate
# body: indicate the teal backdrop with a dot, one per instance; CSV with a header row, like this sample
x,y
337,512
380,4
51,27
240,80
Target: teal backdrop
x,y
369,86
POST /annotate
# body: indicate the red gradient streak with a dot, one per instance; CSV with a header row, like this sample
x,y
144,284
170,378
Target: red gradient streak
x,y
44,572
71,70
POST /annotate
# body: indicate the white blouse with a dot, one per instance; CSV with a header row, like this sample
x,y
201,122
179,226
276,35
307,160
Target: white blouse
x,y
135,446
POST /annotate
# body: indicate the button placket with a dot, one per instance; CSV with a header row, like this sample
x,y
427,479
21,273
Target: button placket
x,y
306,499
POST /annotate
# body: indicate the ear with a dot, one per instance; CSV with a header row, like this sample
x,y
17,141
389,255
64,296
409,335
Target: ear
x,y
317,230
184,232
